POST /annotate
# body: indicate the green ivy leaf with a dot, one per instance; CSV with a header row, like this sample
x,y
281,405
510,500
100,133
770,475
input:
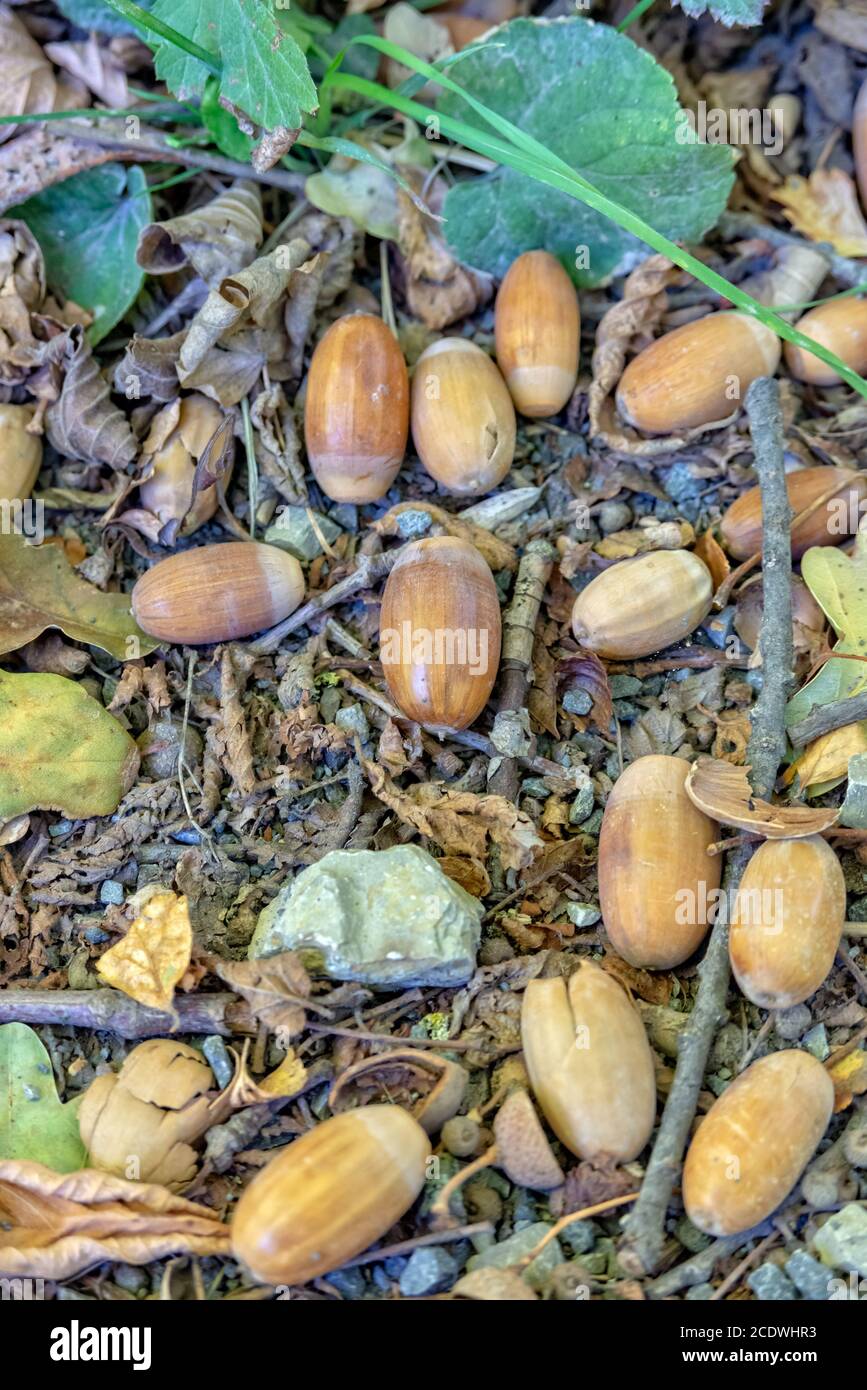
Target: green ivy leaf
x,y
728,12
264,71
60,750
607,108
34,1123
87,227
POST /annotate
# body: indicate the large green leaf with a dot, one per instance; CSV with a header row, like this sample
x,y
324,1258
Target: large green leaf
x,y
87,227
34,1124
264,70
728,12
606,107
59,749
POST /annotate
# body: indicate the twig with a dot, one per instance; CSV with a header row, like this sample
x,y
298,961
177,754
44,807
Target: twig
x,y
645,1226
695,1271
743,224
828,717
110,1011
369,570
732,1280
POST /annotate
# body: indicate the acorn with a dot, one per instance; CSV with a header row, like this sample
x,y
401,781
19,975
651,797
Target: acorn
x,y
641,605
658,886
463,420
178,436
859,141
840,325
755,1141
20,453
356,414
330,1194
217,593
829,524
537,328
787,921
590,1064
440,631
696,374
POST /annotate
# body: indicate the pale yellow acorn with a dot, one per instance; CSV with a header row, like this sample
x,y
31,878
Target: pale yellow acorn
x,y
463,420
640,605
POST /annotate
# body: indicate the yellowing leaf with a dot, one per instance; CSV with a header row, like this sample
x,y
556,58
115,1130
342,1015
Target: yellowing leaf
x,y
825,208
33,1121
288,1079
850,1078
154,954
827,759
40,589
838,583
59,749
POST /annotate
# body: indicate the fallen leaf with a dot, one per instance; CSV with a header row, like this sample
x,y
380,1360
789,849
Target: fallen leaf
x,y
724,793
850,1078
494,1286
34,1123
439,290
286,1080
838,583
460,822
54,1226
217,240
708,548
60,750
399,1076
276,988
650,534
84,423
655,988
498,554
152,957
96,66
827,758
26,76
824,207
585,672
471,874
39,589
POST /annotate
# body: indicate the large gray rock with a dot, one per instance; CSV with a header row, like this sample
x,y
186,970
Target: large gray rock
x,y
385,917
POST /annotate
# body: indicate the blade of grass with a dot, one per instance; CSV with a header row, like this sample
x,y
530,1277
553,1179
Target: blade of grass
x,y
252,466
635,13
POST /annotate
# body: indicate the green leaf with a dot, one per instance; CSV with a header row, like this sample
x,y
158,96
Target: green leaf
x,y
40,589
264,71
34,1124
87,227
221,124
611,112
60,750
838,583
728,12
96,14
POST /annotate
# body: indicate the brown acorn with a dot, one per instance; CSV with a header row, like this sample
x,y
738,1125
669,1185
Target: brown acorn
x,y
463,420
537,326
840,325
217,593
440,631
859,141
829,524
697,373
356,415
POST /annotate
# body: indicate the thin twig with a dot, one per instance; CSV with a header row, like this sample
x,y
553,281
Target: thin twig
x,y
110,1011
829,717
368,572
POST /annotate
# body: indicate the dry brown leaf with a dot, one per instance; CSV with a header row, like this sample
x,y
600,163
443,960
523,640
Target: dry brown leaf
x,y
471,874
724,793
586,672
824,207
708,548
217,240
498,554
649,534
655,988
439,290
287,1079
155,953
84,423
94,65
827,758
460,822
27,79
399,1076
148,369
276,989
54,1226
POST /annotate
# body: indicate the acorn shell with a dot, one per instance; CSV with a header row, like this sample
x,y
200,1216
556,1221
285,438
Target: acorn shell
x,y
463,420
640,605
356,412
787,921
831,523
657,883
440,632
537,327
330,1194
590,1064
20,453
755,1142
217,593
841,326
696,374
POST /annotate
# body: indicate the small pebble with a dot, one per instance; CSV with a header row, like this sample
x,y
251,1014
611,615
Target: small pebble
x,y
809,1276
816,1041
535,787
217,1054
579,1237
770,1284
350,1282
626,710
577,702
613,516
412,523
129,1278
623,685
430,1269
60,827
592,824
791,1024
583,914
690,1237
583,804
95,936
508,1252
353,720
111,892
699,1293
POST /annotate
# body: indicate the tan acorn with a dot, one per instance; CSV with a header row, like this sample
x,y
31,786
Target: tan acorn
x,y
537,327
840,325
217,593
463,420
697,373
20,453
829,524
640,605
658,886
356,414
590,1064
440,631
755,1141
787,921
330,1194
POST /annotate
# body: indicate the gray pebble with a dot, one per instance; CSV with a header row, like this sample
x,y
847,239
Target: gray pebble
x,y
613,516
810,1276
699,1293
577,702
111,892
583,804
769,1283
791,1024
430,1269
622,685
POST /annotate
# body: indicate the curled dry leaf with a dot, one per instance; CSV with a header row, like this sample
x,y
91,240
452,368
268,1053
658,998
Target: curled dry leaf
x,y
148,368
443,1084
278,447
724,793
276,988
188,449
850,1078
649,534
460,822
54,1226
84,423
708,549
26,76
217,240
471,874
523,1152
151,1112
96,66
586,672
439,289
826,760
498,554
824,207
154,954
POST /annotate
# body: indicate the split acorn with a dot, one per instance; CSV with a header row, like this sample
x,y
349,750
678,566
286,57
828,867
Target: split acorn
x,y
463,420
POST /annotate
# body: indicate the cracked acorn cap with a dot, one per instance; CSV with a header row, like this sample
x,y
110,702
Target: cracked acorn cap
x,y
178,436
537,329
463,420
330,1194
356,412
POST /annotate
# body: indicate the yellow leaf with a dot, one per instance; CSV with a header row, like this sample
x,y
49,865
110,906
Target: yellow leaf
x,y
154,954
288,1079
827,758
850,1078
825,208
